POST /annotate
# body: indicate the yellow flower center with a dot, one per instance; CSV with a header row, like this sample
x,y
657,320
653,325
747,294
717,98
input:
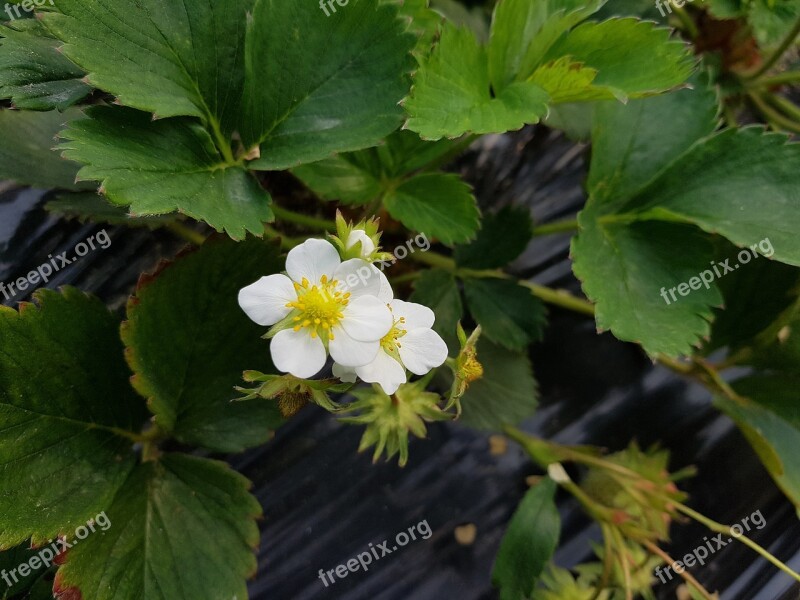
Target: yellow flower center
x,y
318,307
390,341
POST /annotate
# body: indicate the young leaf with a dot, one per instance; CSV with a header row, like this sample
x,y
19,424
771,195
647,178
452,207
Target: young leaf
x,y
452,93
440,205
508,313
769,418
529,542
438,291
27,140
506,395
159,167
171,59
33,74
178,513
94,208
317,85
189,375
504,235
67,412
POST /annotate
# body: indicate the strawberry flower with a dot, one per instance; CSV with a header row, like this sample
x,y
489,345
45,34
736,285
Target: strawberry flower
x,y
321,305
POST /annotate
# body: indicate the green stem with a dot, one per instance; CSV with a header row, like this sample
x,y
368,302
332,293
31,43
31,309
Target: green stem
x,y
686,20
308,221
775,80
187,233
778,53
775,119
557,227
688,577
726,530
412,276
787,107
223,144
287,243
560,298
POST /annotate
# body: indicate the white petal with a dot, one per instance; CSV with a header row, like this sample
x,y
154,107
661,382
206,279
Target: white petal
x,y
312,259
359,278
351,353
265,300
416,315
385,371
359,235
422,350
346,374
296,352
386,292
367,319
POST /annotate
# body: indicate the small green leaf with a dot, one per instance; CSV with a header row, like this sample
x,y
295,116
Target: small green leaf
x,y
68,415
317,85
439,291
188,343
159,167
452,93
425,23
179,513
506,395
502,238
27,140
508,313
33,74
632,272
529,543
440,205
94,208
635,58
171,59
769,417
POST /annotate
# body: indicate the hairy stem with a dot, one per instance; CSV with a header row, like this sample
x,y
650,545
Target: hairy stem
x,y
778,53
688,577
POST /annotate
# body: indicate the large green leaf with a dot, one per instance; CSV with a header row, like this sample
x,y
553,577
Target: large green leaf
x,y
94,208
508,313
158,167
33,74
626,267
529,542
168,58
317,85
183,528
769,417
452,93
504,235
67,414
27,140
438,290
507,394
188,343
441,205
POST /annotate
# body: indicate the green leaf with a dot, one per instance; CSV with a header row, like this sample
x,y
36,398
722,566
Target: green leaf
x,y
159,167
27,140
529,543
188,343
630,144
171,59
33,74
10,561
634,58
360,177
508,313
68,415
769,417
440,205
425,23
772,20
502,238
94,208
317,85
438,290
629,271
506,395
183,528
741,183
523,31
452,93
565,80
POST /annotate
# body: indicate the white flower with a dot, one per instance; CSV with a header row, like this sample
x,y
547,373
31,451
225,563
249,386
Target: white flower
x,y
410,344
367,245
323,305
